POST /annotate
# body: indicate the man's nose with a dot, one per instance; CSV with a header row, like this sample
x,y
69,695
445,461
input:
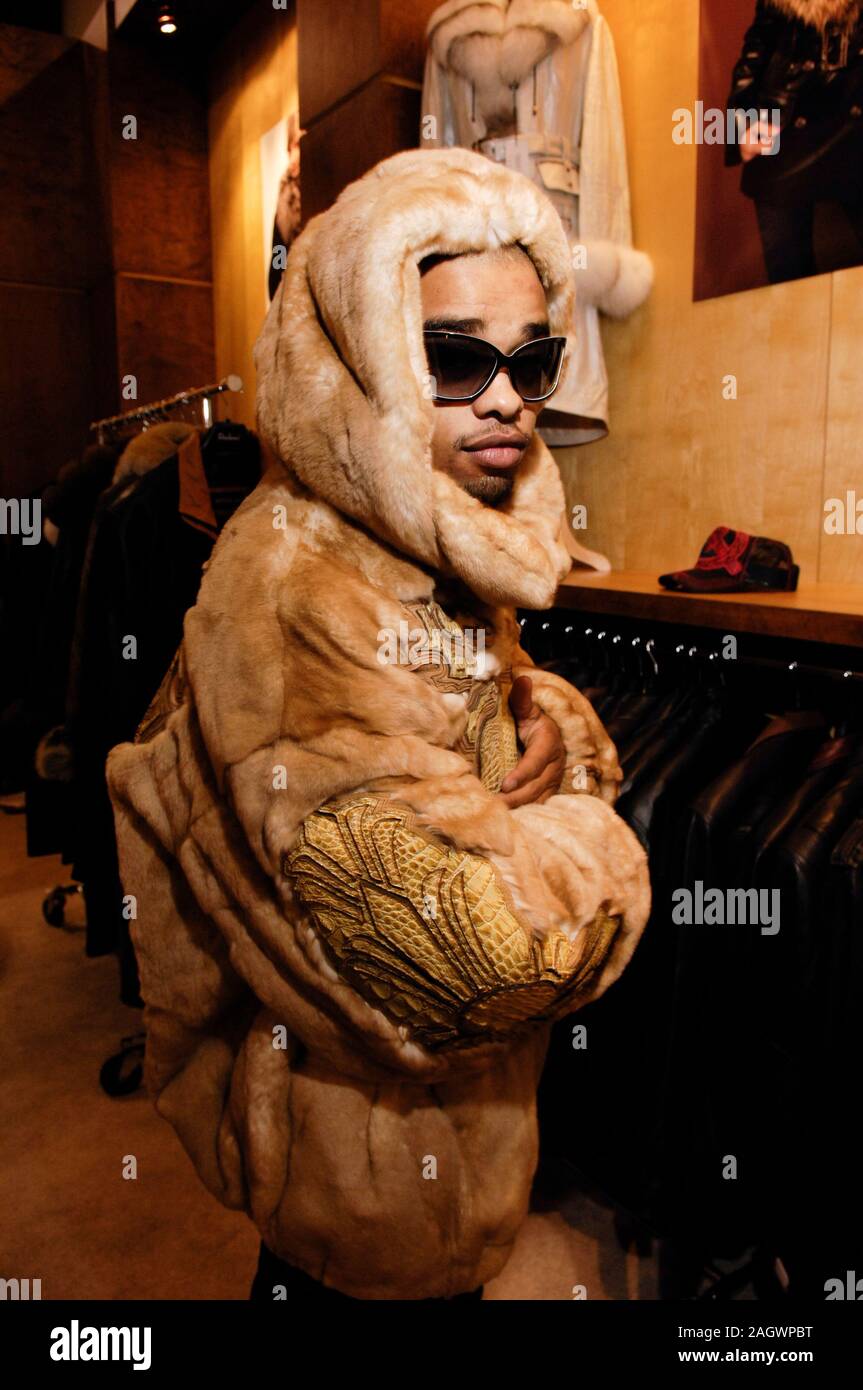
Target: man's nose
x,y
500,398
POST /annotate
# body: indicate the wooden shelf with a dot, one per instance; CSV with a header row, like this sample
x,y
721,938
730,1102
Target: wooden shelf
x,y
814,613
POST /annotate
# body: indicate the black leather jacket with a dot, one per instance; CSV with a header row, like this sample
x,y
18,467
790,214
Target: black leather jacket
x,y
814,79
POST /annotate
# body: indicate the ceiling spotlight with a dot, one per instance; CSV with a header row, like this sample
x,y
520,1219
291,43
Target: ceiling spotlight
x,y
167,22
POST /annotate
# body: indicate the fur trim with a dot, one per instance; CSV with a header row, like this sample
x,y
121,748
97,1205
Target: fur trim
x,y
819,13
457,18
496,44
341,368
617,279
151,447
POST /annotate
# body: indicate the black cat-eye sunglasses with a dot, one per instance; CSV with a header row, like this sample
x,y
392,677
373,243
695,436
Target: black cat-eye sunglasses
x,y
463,366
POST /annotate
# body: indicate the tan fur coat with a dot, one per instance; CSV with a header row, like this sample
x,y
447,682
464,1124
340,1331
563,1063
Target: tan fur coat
x,y
330,1040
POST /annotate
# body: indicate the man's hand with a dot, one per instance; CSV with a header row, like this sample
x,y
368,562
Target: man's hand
x,y
539,772
757,139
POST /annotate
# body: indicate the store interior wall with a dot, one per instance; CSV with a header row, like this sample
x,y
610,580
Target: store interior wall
x,y
361,70
105,277
253,85
160,224
353,69
681,459
55,252
123,251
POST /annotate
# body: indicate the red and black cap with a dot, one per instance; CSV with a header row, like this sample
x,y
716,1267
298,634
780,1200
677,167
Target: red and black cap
x,y
735,562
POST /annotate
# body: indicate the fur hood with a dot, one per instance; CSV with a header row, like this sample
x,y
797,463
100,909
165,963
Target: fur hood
x,y
497,43
342,369
819,13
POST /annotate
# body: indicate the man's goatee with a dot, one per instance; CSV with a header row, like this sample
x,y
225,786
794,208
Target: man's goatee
x,y
490,490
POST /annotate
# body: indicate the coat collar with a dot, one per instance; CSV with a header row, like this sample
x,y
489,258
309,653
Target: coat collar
x,y
341,369
559,21
818,13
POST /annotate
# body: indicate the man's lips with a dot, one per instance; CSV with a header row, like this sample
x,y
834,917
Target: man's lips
x,y
498,450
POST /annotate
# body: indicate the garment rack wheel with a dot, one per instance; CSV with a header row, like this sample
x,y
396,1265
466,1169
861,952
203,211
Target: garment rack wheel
x,y
123,1073
54,903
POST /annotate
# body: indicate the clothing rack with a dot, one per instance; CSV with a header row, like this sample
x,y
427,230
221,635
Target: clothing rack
x,y
159,409
796,668
615,645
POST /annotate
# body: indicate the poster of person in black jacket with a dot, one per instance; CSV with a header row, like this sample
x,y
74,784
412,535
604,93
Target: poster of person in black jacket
x,y
787,194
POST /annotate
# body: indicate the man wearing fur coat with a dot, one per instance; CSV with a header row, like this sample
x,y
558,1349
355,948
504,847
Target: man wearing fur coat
x,y
359,904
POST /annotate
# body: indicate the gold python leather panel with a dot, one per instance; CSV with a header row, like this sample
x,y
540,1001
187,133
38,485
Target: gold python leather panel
x,y
445,654
425,932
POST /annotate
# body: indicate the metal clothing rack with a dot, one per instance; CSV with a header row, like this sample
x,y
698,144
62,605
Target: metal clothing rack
x,y
159,410
796,668
618,648
758,663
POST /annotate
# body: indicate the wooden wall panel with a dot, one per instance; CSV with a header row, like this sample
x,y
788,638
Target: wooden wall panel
x,y
375,122
164,336
348,42
51,230
160,222
339,51
372,108
253,85
842,555
403,36
160,184
46,399
680,459
55,255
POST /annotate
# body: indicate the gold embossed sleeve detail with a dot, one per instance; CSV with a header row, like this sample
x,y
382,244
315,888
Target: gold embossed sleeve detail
x,y
426,933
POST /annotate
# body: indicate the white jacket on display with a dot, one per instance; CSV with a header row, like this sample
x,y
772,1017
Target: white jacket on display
x,y
534,85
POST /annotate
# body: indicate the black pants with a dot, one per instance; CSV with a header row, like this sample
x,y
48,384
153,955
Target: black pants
x,y
272,1272
787,237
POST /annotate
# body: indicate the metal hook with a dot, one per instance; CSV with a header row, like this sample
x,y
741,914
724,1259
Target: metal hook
x,y
617,661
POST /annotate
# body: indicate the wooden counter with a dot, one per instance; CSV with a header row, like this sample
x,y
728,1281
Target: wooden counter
x,y
813,613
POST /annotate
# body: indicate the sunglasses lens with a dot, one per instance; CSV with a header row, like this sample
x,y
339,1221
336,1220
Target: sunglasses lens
x,y
460,367
535,369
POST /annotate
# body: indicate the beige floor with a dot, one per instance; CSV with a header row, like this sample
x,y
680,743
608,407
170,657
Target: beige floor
x,y
69,1217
